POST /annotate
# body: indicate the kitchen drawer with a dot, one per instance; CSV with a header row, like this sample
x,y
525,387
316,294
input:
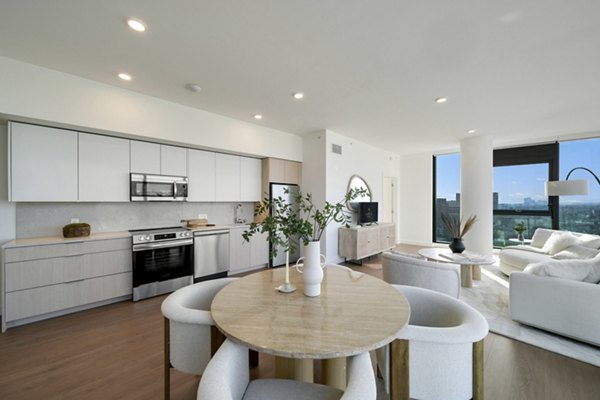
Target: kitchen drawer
x,y
49,271
73,248
46,299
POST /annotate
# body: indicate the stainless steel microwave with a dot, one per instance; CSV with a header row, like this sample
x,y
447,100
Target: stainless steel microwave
x,y
145,187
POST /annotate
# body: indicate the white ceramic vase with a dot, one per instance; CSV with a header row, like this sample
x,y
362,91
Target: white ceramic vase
x,y
312,273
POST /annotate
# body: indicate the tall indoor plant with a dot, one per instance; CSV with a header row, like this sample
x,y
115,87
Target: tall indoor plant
x,y
458,230
305,221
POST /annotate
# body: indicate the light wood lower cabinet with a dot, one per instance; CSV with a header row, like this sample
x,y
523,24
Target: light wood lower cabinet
x,y
44,281
358,242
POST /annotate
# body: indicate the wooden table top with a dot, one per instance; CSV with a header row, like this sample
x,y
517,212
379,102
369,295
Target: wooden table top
x,y
354,313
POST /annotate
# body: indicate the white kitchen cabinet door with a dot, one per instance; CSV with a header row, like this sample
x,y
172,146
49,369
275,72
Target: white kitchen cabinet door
x,y
259,250
201,175
145,157
173,160
103,168
42,163
227,178
239,251
250,179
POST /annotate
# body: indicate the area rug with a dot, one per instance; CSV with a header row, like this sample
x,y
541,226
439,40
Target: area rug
x,y
490,297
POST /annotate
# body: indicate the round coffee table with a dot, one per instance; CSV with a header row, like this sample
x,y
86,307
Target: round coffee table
x,y
470,263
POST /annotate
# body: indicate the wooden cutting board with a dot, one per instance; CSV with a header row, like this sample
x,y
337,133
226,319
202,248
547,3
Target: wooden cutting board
x,y
196,223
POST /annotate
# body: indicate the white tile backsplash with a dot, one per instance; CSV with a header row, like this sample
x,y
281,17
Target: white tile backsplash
x,y
47,219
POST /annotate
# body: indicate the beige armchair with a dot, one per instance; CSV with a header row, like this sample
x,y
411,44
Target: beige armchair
x,y
408,270
188,332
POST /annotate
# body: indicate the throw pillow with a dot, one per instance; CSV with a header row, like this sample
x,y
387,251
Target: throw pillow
x,y
587,240
576,253
577,270
558,241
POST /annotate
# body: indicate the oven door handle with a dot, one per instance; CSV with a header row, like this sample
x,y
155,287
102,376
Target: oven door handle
x,y
162,245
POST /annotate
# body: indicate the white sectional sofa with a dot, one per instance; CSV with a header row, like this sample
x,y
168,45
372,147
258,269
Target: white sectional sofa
x,y
555,285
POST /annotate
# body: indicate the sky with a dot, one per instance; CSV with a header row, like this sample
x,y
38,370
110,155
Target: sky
x,y
514,183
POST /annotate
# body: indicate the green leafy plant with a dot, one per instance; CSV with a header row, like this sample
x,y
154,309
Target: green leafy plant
x,y
300,219
520,227
457,229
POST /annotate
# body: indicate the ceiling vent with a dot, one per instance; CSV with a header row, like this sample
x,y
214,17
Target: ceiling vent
x,y
336,148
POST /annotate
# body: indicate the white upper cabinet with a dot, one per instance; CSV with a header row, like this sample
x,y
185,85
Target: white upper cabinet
x,y
145,157
173,160
250,176
159,159
103,168
227,178
201,174
42,163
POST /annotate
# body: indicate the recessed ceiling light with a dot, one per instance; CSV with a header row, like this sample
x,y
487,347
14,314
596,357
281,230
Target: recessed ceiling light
x,y
124,76
298,95
193,87
471,131
136,25
257,116
441,100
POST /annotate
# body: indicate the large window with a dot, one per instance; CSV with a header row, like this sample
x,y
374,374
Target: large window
x,y
519,177
446,193
580,213
518,194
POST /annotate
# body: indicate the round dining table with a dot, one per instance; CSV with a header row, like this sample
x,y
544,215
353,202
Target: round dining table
x,y
355,313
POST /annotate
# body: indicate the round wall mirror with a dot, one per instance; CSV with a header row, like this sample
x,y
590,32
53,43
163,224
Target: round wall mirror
x,y
356,182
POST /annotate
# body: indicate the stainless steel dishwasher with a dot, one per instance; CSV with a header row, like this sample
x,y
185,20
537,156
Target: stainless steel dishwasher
x,y
211,254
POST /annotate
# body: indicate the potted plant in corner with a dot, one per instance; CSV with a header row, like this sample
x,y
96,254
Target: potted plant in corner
x,y
520,228
306,222
458,230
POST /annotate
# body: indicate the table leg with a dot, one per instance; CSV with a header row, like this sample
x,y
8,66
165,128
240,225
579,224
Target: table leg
x,y
334,372
477,272
399,370
284,368
466,275
304,370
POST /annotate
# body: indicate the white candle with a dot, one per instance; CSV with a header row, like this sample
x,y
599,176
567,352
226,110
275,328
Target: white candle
x,y
287,267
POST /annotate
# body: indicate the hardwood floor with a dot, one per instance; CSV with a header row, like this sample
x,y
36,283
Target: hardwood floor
x,y
115,352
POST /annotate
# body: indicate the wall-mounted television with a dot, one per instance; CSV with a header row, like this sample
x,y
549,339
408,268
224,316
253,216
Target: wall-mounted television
x,y
367,212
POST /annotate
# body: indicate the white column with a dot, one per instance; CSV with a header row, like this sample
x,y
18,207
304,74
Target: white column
x,y
476,173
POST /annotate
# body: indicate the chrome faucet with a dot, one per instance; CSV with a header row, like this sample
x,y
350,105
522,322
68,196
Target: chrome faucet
x,y
239,212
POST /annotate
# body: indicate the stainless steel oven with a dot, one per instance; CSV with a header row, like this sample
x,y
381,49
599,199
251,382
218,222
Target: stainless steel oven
x,y
163,261
145,187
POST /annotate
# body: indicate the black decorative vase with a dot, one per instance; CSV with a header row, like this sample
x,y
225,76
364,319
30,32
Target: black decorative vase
x,y
457,245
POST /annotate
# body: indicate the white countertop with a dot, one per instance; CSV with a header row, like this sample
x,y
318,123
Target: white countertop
x,y
35,241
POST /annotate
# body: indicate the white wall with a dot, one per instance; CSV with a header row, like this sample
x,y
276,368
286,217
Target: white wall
x,y
325,175
36,94
7,210
416,204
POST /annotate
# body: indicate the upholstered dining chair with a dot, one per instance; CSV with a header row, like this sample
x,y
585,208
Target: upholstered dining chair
x,y
409,270
188,344
444,344
227,378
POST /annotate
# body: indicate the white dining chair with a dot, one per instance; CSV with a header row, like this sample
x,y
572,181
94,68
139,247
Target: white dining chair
x,y
444,341
188,345
409,270
227,378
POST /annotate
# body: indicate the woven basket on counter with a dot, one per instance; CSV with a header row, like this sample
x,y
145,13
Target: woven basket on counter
x,y
76,230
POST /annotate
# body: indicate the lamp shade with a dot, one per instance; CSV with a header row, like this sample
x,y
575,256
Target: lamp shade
x,y
566,188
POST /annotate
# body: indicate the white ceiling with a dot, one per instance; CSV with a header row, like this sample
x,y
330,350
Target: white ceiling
x,y
515,69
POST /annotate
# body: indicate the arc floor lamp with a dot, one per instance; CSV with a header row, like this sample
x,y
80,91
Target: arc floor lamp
x,y
567,187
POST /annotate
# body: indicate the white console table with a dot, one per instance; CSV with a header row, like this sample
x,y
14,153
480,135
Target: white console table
x,y
358,242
